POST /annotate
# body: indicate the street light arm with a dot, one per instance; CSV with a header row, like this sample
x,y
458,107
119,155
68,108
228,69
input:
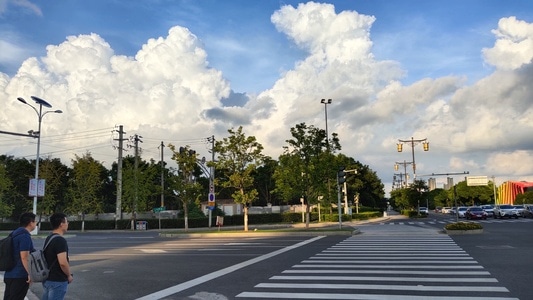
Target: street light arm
x,y
52,111
24,101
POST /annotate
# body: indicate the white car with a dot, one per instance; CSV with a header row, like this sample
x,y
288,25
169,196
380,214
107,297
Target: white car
x,y
446,210
505,210
423,210
461,210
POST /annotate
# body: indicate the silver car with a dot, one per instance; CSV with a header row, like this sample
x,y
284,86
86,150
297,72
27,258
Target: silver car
x,y
489,209
528,211
520,210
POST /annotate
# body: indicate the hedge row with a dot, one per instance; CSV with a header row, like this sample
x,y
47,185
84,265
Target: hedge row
x,y
236,220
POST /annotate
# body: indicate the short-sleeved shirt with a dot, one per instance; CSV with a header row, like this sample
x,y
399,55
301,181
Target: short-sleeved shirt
x,y
56,246
21,242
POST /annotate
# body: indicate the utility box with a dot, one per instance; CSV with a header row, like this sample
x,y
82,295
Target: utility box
x,y
141,225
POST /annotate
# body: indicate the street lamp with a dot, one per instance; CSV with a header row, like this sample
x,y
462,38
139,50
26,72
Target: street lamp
x,y
396,168
413,142
40,115
326,102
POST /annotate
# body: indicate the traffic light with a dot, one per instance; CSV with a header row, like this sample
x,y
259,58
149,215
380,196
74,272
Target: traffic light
x,y
426,146
399,147
341,175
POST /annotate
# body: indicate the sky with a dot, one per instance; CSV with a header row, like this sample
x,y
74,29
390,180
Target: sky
x,y
457,73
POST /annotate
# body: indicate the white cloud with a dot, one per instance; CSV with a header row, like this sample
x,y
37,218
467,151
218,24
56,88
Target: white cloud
x,y
21,3
514,47
168,85
169,90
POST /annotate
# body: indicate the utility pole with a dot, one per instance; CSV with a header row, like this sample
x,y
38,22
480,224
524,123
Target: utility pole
x,y
118,210
136,139
212,178
162,176
404,163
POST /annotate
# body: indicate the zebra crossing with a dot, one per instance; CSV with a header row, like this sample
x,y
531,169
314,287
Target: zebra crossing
x,y
444,222
378,267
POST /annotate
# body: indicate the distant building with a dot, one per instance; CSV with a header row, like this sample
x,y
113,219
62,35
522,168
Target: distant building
x,y
449,183
508,190
432,184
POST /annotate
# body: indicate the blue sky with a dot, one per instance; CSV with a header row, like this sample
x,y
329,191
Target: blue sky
x,y
395,69
403,31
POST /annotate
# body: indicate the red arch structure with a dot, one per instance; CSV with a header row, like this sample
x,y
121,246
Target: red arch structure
x,y
508,190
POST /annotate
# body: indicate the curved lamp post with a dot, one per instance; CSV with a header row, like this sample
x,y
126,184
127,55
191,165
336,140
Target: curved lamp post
x,y
40,115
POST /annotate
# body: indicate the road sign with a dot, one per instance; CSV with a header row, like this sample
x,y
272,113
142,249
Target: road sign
x,y
159,209
477,180
37,187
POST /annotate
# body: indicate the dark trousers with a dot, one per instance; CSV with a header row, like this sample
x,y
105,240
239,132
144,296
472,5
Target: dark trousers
x,y
16,288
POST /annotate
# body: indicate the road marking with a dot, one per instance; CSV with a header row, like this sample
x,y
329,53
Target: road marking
x,y
382,287
191,283
372,278
358,296
396,272
152,250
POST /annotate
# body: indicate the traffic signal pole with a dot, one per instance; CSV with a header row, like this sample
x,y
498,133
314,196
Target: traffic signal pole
x,y
341,178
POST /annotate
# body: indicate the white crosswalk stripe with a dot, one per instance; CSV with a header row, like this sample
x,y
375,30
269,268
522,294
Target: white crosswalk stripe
x,y
443,222
379,267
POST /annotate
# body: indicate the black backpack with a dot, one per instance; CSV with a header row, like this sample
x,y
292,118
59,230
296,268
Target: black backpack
x,y
7,260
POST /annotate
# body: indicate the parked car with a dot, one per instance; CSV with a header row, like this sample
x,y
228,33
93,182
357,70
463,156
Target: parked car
x,y
423,210
528,211
489,209
446,210
438,209
475,212
505,211
461,210
520,209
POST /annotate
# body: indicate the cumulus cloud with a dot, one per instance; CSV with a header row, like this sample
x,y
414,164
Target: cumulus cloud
x,y
169,90
168,84
514,47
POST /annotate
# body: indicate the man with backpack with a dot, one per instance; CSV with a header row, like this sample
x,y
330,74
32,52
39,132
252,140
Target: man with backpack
x,y
17,279
56,254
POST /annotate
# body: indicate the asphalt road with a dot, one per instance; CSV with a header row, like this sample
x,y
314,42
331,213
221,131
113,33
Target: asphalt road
x,y
142,265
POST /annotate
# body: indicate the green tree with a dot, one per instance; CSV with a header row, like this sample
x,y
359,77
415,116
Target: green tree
x,y
238,156
306,166
473,195
56,175
5,185
411,197
525,198
86,182
265,184
138,188
186,186
19,171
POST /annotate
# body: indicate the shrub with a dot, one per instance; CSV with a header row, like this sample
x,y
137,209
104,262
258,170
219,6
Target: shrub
x,y
463,226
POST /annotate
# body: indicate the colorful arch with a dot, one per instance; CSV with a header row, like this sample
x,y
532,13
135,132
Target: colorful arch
x,y
508,190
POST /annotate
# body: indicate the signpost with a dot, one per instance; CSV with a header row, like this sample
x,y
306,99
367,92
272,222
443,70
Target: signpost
x,y
159,210
477,180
